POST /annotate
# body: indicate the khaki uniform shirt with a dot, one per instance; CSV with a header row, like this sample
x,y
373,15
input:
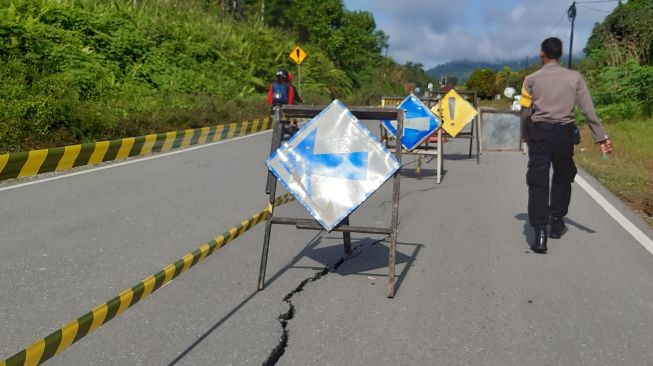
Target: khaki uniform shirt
x,y
550,94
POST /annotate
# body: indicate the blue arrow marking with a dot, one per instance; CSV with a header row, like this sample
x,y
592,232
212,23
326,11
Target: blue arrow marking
x,y
305,163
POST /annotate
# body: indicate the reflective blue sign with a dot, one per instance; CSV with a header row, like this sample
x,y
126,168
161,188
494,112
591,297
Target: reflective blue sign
x,y
332,165
419,123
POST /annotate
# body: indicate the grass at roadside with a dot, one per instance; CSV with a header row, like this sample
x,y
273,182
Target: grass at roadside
x,y
629,171
502,104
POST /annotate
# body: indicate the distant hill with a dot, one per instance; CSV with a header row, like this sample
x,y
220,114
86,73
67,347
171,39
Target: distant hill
x,y
462,69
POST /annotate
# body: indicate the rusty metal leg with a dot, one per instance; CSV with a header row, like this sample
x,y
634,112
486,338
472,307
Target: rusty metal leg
x,y
276,142
478,139
346,236
395,211
471,141
438,169
266,244
272,186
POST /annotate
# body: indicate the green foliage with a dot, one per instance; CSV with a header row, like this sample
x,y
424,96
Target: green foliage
x,y
507,78
414,73
624,34
81,70
624,91
385,81
482,81
619,66
349,39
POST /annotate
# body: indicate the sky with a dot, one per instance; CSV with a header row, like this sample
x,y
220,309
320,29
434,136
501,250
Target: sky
x,y
433,32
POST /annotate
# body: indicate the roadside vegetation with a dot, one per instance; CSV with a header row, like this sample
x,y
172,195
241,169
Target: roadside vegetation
x,y
85,70
629,170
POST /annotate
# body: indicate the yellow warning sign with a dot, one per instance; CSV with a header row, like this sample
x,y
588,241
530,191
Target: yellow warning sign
x,y
298,55
457,113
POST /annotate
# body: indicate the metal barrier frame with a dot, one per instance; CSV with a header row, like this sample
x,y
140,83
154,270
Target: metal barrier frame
x,y
362,113
474,135
522,146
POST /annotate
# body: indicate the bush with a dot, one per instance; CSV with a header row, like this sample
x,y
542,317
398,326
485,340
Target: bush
x,y
85,70
623,91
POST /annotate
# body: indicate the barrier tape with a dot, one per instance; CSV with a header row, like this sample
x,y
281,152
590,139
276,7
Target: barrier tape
x,y
46,348
30,163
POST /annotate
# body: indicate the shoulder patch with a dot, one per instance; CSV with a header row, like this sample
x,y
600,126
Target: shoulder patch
x,y
526,100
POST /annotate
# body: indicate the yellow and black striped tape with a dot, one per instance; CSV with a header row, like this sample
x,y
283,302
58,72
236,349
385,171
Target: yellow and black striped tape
x,y
391,101
46,348
29,163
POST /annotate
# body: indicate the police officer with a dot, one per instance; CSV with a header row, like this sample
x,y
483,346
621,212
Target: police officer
x,y
548,99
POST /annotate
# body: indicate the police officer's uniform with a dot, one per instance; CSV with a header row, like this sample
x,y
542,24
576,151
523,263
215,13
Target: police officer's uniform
x,y
548,99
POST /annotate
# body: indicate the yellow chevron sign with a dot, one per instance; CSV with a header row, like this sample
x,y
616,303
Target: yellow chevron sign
x,y
457,112
298,55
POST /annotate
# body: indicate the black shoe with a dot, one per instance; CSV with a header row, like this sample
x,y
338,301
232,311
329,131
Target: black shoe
x,y
558,228
539,242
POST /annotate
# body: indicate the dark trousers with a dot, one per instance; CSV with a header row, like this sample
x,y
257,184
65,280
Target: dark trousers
x,y
549,145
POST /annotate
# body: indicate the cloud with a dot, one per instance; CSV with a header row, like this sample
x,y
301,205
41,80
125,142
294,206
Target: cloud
x,y
436,31
517,12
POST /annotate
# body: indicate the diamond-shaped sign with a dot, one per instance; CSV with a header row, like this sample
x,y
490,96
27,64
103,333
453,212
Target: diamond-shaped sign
x,y
332,165
419,123
457,113
298,55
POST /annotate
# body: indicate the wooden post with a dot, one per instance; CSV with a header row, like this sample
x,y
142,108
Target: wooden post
x,y
395,209
346,236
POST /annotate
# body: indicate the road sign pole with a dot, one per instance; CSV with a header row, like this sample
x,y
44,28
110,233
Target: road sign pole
x,y
299,79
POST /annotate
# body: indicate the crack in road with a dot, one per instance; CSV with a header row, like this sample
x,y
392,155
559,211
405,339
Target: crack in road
x,y
286,317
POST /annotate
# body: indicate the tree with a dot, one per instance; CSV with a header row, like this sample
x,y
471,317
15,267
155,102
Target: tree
x,y
355,45
625,33
506,78
482,81
315,21
414,72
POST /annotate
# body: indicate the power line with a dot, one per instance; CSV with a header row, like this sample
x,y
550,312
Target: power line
x,y
597,1
594,9
555,27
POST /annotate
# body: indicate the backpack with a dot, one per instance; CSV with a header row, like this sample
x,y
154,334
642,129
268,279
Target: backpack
x,y
279,93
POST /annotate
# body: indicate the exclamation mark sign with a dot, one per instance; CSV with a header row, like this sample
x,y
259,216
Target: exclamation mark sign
x,y
452,110
297,50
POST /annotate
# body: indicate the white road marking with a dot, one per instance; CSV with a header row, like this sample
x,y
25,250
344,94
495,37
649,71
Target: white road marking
x,y
633,230
136,160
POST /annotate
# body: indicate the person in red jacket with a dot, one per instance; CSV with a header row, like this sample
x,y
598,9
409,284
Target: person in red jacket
x,y
282,92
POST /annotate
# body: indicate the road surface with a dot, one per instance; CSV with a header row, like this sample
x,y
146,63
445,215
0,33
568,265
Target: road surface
x,y
470,292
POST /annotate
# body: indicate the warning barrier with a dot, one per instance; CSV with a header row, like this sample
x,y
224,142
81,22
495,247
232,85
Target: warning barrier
x,y
62,338
29,163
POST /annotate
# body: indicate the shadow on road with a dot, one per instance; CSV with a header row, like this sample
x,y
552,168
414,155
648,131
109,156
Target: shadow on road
x,y
528,230
425,173
455,157
373,255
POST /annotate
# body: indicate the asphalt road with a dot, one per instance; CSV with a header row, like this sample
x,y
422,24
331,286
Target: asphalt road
x,y
470,291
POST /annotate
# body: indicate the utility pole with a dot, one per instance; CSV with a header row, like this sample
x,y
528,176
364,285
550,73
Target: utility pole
x,y
571,13
262,11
